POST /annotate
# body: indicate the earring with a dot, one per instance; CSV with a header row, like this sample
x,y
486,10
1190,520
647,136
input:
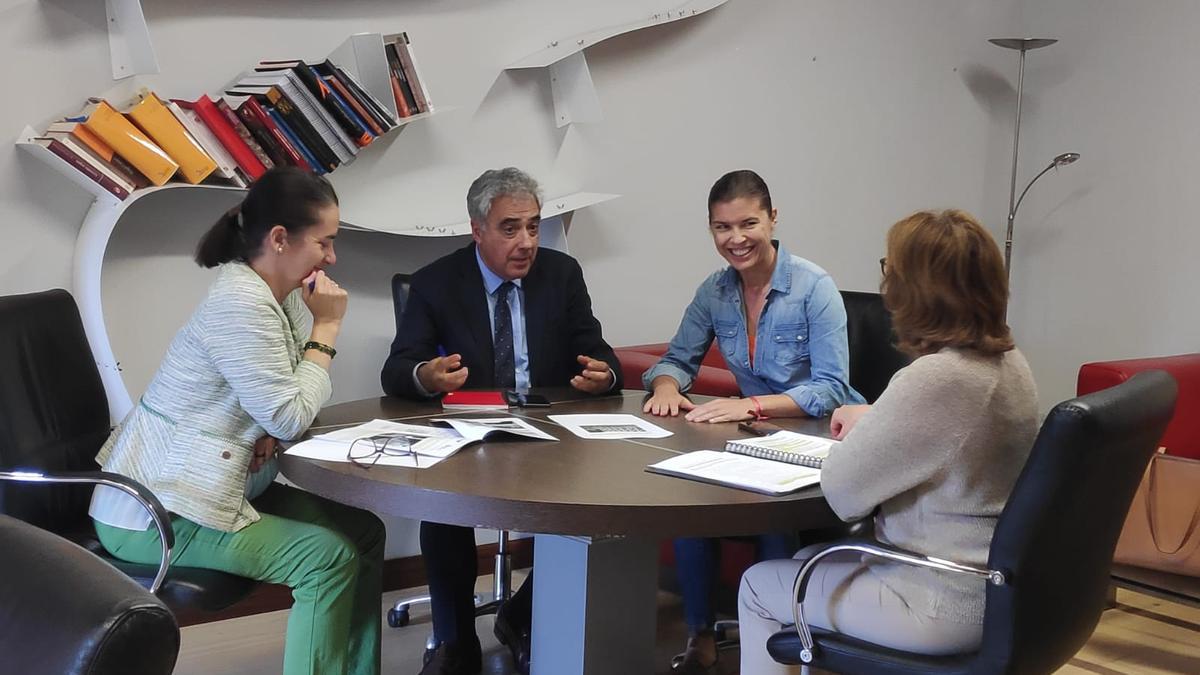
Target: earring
x,y
279,249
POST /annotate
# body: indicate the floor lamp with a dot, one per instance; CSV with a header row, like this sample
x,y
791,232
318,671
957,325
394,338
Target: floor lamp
x,y
1023,45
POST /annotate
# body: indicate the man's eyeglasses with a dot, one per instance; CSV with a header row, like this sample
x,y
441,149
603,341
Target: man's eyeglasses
x,y
883,266
366,451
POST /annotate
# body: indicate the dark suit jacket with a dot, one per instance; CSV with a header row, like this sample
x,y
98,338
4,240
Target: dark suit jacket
x,y
447,307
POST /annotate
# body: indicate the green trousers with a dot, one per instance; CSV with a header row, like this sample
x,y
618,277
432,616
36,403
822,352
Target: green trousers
x,y
329,554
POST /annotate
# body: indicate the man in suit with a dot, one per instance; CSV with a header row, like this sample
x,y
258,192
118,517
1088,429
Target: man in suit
x,y
507,315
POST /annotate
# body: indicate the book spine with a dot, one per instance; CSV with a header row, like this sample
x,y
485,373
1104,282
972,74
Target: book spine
x,y
410,102
354,103
367,134
104,156
302,129
58,148
382,114
310,159
159,124
259,111
223,130
185,112
129,142
404,51
321,91
321,120
265,136
105,151
244,133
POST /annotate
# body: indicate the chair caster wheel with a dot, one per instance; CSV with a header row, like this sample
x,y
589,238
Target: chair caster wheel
x,y
397,618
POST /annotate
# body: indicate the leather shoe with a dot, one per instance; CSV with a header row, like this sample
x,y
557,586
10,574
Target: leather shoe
x,y
461,658
691,662
514,634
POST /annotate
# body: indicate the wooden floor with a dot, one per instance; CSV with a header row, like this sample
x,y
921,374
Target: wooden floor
x,y
1141,635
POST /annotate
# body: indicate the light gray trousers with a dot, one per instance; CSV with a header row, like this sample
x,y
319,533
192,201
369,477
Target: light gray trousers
x,y
842,596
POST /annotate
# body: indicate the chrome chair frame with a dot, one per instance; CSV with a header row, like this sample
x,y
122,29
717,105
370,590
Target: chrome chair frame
x,y
158,513
501,590
800,587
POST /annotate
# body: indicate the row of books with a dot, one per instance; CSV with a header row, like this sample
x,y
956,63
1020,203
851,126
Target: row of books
x,y
407,89
315,116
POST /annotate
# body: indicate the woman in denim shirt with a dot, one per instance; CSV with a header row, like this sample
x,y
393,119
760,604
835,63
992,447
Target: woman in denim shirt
x,y
780,324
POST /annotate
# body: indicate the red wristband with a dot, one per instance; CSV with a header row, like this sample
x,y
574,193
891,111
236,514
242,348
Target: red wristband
x,y
758,411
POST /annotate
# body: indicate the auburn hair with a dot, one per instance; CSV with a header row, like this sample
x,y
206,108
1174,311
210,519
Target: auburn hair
x,y
945,284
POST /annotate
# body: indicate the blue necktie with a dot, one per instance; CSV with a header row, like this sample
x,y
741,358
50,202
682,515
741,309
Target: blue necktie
x,y
502,344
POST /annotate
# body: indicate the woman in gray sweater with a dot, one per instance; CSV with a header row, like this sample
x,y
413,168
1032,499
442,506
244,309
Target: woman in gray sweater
x,y
248,368
934,459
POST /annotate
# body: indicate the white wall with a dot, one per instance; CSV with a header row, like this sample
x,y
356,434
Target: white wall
x,y
856,112
1106,249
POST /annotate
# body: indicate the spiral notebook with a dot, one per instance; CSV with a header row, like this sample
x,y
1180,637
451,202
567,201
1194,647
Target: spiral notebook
x,y
785,446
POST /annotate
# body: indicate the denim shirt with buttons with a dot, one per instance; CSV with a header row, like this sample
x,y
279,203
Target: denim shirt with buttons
x,y
801,347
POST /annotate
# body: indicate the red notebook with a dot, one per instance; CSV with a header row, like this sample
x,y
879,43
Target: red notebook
x,y
491,400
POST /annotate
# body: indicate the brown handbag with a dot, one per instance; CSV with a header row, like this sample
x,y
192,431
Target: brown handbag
x,y
1161,529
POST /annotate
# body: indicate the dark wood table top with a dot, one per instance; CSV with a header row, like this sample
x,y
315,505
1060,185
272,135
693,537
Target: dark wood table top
x,y
573,487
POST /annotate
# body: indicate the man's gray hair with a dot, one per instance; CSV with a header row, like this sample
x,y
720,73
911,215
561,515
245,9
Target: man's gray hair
x,y
494,183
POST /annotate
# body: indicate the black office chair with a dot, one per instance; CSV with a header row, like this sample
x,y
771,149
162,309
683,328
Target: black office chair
x,y
53,420
874,358
65,612
1049,561
400,614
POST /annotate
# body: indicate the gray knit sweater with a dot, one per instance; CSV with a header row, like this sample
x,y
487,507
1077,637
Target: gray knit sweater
x,y
938,453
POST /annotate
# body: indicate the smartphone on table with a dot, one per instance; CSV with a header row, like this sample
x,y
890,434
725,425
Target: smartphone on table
x,y
525,400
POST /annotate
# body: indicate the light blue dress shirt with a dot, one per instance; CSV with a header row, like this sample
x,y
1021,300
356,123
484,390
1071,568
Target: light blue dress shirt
x,y
516,306
801,348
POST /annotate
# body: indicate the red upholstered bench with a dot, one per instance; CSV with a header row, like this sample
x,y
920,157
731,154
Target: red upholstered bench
x,y
714,379
1183,433
1181,438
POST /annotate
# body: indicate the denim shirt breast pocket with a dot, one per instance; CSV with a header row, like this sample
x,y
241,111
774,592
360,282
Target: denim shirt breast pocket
x,y
727,337
789,343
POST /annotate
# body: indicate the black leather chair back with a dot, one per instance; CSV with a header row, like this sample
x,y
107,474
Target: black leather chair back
x,y
1054,542
53,411
400,285
54,418
66,612
1055,538
873,354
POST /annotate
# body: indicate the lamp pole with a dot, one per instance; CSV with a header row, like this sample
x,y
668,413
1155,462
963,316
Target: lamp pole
x,y
1022,45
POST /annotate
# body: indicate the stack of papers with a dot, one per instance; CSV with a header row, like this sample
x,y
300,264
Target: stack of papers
x,y
426,445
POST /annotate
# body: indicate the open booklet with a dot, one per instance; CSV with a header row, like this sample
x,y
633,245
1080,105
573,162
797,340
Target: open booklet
x,y
777,464
386,443
738,471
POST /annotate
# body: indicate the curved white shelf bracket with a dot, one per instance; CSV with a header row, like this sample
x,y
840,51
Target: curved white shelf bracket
x,y
87,267
575,97
129,39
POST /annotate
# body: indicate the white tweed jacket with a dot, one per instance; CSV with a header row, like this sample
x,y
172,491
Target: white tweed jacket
x,y
232,374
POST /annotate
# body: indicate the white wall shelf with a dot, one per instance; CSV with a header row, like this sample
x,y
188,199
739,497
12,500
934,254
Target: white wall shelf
x,y
575,98
107,210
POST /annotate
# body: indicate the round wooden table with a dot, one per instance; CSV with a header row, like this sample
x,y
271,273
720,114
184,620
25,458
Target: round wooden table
x,y
595,511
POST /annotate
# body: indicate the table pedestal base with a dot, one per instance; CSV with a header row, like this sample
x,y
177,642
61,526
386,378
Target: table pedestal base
x,y
594,605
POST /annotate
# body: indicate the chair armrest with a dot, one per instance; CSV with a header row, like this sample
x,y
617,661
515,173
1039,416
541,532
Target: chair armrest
x,y
158,513
800,587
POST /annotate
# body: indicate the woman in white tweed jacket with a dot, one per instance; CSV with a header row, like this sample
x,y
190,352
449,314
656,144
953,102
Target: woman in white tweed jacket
x,y
246,370
934,459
